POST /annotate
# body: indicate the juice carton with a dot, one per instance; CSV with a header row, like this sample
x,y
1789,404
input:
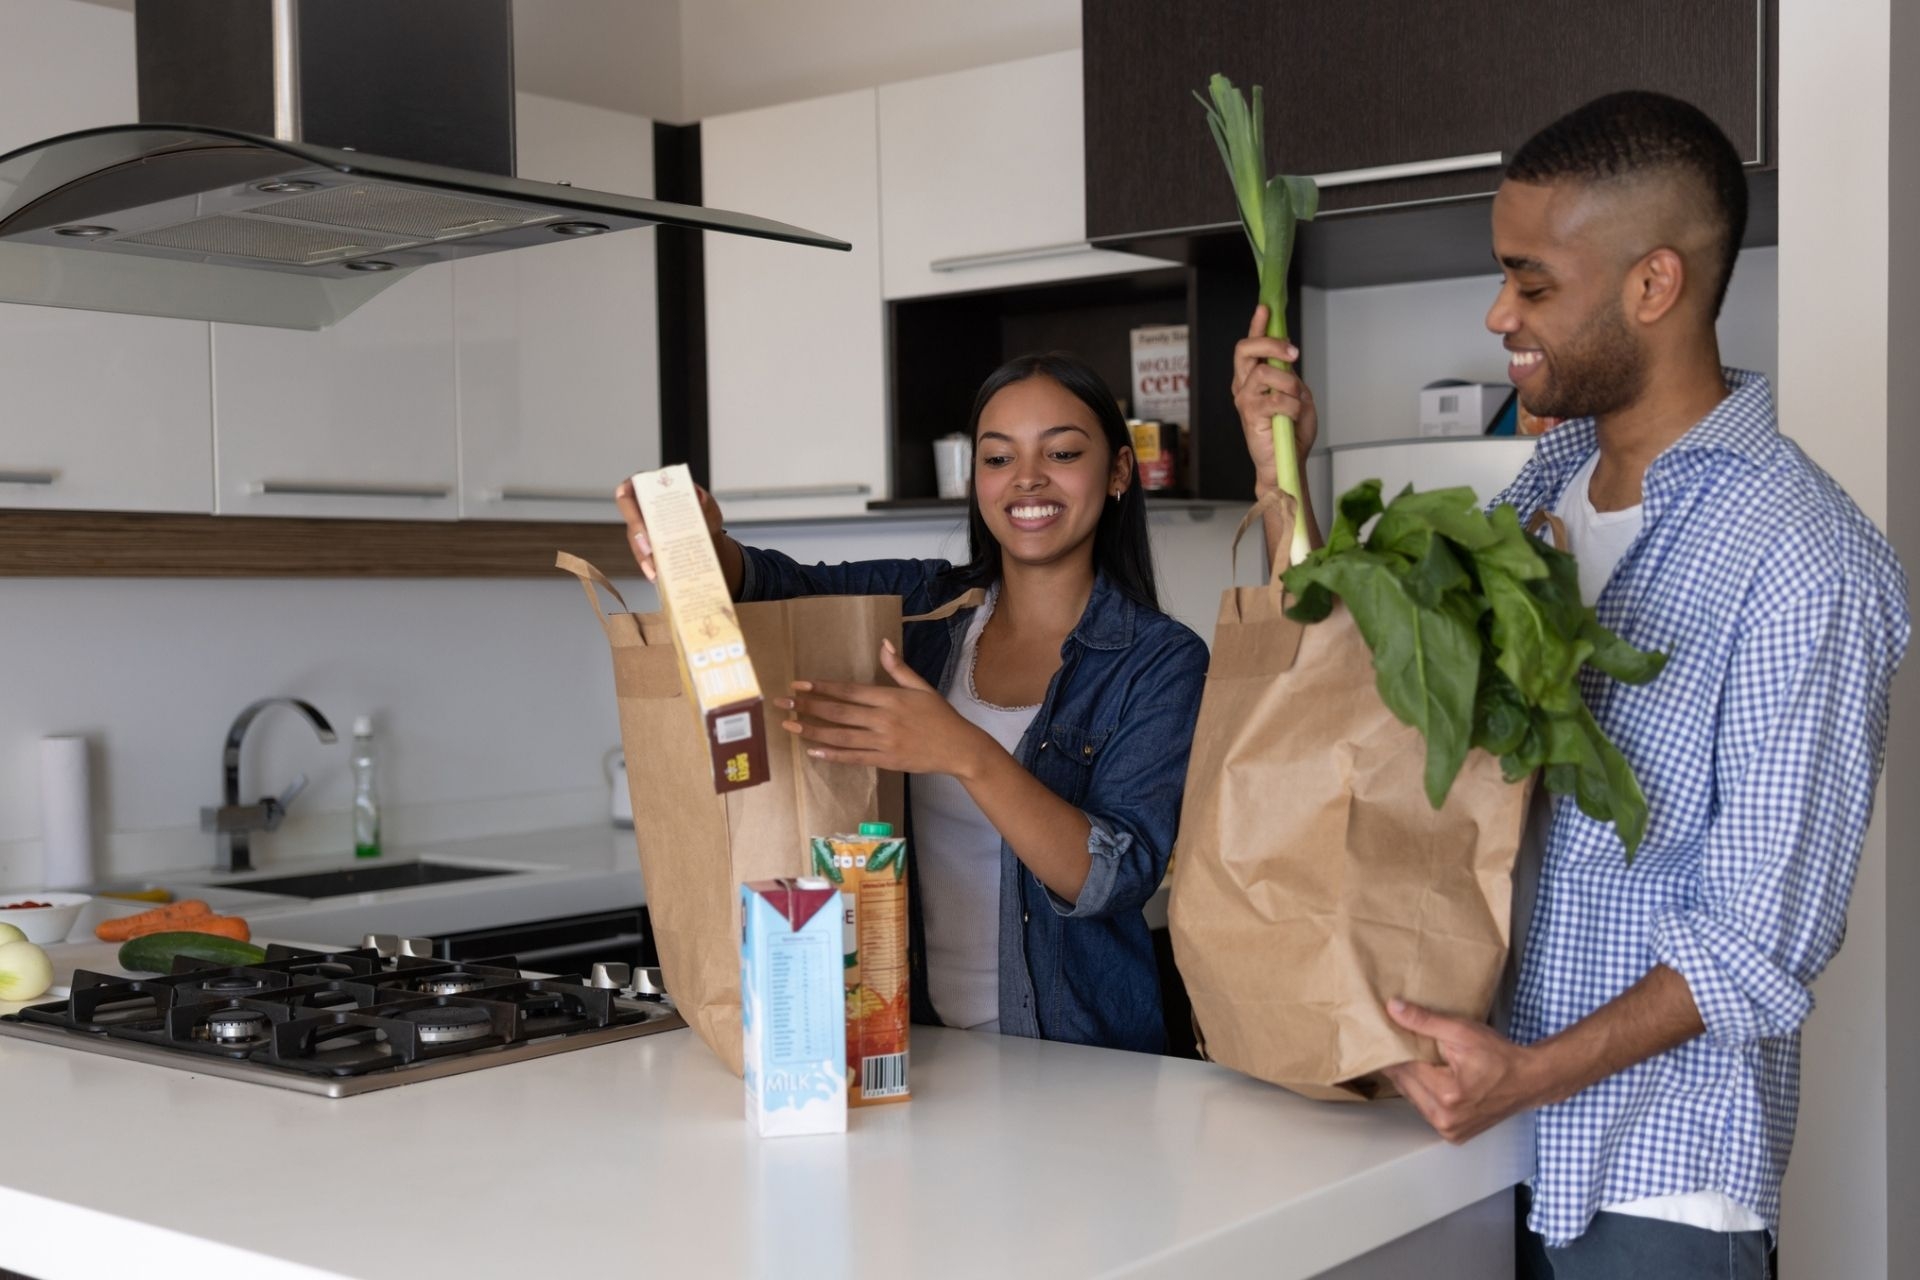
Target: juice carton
x,y
792,1014
714,667
870,870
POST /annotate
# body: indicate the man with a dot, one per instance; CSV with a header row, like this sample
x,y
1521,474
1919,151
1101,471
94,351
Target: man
x,y
1656,1021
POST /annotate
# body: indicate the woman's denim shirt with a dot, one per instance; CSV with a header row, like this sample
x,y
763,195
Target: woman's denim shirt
x,y
1111,738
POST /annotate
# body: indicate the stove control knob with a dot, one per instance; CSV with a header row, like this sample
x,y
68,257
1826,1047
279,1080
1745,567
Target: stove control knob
x,y
385,943
420,947
611,976
646,982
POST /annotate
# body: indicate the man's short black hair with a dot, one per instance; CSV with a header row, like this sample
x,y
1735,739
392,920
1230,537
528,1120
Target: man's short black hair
x,y
1638,132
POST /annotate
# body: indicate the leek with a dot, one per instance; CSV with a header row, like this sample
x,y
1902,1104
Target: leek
x,y
1270,209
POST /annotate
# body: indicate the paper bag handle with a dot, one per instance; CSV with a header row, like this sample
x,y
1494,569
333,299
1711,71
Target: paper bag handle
x,y
1284,502
590,576
972,599
1553,522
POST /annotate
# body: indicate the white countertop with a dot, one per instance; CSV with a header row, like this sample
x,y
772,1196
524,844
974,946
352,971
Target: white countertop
x,y
1015,1158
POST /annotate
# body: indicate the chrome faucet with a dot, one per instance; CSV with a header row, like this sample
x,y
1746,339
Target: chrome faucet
x,y
233,823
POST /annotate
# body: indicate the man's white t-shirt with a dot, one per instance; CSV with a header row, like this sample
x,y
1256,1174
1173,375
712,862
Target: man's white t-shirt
x,y
1598,540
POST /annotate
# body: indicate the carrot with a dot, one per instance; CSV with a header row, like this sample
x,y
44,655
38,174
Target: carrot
x,y
221,927
175,915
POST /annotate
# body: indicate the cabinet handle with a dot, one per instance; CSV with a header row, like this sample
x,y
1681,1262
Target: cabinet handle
x,y
28,477
329,489
974,261
1412,169
548,495
795,491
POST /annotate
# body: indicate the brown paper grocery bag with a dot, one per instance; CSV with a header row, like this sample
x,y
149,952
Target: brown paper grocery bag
x,y
1312,881
696,847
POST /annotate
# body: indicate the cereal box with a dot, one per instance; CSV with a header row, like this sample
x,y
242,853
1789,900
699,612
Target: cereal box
x,y
792,1009
870,870
1161,383
714,666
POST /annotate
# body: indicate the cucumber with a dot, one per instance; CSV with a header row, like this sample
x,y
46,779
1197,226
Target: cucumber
x,y
155,953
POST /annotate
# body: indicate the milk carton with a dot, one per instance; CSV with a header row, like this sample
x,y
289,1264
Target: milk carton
x,y
870,870
793,1006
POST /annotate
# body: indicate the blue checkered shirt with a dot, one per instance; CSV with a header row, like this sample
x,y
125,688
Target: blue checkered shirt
x,y
1783,612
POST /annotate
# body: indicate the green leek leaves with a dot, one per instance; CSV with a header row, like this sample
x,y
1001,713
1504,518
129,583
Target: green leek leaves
x,y
1270,211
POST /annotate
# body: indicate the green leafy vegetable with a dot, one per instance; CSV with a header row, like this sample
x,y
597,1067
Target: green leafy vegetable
x,y
1478,636
1270,211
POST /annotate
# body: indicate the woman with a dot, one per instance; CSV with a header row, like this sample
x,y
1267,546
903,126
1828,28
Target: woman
x,y
1045,732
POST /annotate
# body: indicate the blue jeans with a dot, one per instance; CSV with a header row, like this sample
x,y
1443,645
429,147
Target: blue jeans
x,y
1617,1246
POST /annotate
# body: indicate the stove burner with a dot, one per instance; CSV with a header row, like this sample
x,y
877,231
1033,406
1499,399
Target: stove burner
x,y
451,984
336,1023
327,969
449,1024
237,1026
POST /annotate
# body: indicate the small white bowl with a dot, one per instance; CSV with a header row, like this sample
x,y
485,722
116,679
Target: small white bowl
x,y
42,925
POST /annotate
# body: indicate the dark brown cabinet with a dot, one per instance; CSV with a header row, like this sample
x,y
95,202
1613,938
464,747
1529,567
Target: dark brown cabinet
x,y
1356,84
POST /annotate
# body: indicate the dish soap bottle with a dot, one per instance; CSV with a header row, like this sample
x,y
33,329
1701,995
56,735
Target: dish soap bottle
x,y
366,805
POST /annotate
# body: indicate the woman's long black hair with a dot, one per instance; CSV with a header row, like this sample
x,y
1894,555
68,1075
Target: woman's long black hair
x,y
1120,547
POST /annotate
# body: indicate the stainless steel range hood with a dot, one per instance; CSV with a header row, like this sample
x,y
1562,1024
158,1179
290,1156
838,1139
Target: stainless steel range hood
x,y
207,221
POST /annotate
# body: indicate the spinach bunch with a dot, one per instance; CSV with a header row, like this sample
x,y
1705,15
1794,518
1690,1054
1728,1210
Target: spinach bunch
x,y
1478,635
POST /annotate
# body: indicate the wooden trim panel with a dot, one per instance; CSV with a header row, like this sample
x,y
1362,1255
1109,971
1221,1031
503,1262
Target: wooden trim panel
x,y
80,544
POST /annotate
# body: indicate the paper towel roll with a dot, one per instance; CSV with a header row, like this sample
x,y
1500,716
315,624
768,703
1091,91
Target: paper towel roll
x,y
66,813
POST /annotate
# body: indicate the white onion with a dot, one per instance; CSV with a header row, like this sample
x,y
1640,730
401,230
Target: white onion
x,y
10,933
25,971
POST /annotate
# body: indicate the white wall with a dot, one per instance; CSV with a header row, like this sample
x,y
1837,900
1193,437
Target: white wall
x,y
1836,359
738,54
1369,351
1903,802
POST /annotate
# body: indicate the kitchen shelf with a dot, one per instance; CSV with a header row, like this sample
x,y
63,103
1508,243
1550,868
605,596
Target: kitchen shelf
x,y
942,348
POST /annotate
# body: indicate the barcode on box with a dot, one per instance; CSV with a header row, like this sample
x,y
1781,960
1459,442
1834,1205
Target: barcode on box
x,y
719,685
735,728
883,1076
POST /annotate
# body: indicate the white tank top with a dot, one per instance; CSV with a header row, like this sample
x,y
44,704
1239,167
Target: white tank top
x,y
957,857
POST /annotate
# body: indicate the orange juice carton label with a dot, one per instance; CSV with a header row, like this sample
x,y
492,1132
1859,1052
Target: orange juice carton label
x,y
792,1014
870,871
715,670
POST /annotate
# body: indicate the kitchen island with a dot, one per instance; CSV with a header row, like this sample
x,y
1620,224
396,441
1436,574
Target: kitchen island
x,y
1015,1158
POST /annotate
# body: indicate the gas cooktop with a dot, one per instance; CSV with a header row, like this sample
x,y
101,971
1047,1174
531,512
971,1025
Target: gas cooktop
x,y
346,1022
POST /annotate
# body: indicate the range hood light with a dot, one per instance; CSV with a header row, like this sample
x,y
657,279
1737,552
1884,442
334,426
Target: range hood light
x,y
84,232
578,228
369,264
287,187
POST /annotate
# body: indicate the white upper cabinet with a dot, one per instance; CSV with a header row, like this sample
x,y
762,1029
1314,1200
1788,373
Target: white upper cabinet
x,y
97,412
559,352
796,372
354,420
983,180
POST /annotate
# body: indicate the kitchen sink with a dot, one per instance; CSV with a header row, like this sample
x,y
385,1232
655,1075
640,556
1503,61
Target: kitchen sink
x,y
393,875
